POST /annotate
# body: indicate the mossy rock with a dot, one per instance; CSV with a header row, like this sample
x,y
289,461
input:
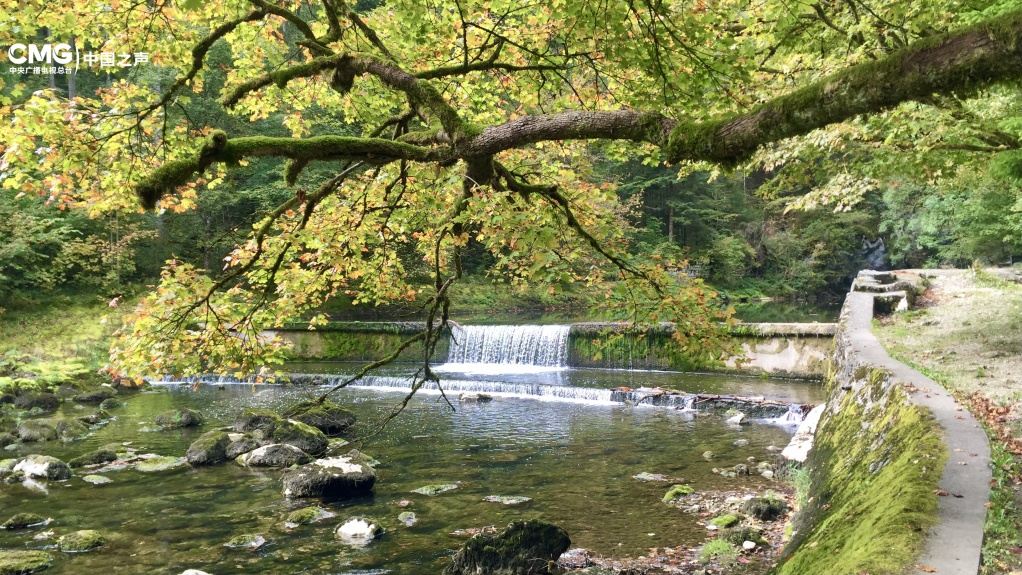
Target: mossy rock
x,y
176,418
23,562
523,548
260,423
307,515
110,403
94,397
38,430
765,508
677,492
33,400
304,437
246,541
7,439
44,467
725,521
741,534
326,416
435,489
243,445
81,541
209,449
101,455
23,520
343,477
275,455
160,463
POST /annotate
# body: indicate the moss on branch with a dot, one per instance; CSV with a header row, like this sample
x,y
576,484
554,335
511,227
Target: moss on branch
x,y
301,151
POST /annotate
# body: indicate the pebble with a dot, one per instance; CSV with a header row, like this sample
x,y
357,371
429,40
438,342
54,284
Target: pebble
x,y
748,545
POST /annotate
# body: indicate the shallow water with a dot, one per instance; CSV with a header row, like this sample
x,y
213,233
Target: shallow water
x,y
575,461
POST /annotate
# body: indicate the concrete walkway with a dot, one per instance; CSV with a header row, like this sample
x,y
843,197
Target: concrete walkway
x,y
954,545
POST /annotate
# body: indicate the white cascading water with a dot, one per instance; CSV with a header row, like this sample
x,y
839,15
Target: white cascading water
x,y
523,345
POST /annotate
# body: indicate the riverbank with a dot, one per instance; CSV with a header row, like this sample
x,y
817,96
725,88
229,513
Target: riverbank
x,y
965,334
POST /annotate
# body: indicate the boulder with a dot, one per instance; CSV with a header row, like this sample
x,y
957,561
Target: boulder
x,y
34,399
68,390
44,467
326,416
80,541
765,508
159,463
6,398
359,531
102,455
304,437
179,418
209,449
340,477
523,548
97,396
33,430
18,562
110,403
307,515
246,541
257,422
23,520
7,439
275,455
242,444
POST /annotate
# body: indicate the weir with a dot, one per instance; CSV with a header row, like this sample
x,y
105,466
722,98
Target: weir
x,y
776,349
776,412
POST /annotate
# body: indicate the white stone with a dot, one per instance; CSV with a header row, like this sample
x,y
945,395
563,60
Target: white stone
x,y
357,532
342,463
748,545
193,572
736,419
802,441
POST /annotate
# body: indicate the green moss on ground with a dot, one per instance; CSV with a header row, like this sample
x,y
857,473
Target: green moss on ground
x,y
872,498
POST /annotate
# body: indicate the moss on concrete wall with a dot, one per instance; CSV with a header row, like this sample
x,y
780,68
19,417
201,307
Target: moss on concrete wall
x,y
876,466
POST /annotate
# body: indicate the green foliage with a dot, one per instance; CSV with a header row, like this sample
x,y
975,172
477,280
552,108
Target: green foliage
x,y
721,551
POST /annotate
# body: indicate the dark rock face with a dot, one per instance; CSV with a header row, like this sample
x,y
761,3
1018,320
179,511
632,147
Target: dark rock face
x,y
209,449
44,401
275,455
7,439
341,477
328,417
524,548
179,418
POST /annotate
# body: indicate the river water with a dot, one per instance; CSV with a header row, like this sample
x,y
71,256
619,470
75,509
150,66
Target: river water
x,y
575,459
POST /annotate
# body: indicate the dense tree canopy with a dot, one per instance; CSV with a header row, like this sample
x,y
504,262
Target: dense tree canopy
x,y
411,129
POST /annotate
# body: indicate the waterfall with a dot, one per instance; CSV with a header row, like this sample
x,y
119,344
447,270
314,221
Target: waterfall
x,y
533,345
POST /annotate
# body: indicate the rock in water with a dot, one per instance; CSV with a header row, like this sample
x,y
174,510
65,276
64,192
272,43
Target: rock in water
x,y
44,401
179,418
328,417
51,429
304,437
20,562
341,477
44,467
407,517
209,449
80,541
102,455
258,422
23,520
359,531
524,548
275,455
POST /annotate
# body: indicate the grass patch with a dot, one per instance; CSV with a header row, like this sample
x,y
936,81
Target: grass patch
x,y
720,550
